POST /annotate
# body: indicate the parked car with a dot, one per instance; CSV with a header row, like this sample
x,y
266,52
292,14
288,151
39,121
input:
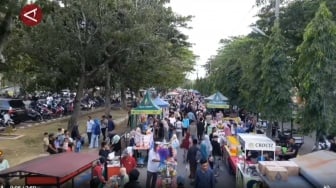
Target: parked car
x,y
15,108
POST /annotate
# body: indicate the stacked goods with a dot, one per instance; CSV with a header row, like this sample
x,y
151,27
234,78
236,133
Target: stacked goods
x,y
263,164
276,173
292,168
278,170
233,145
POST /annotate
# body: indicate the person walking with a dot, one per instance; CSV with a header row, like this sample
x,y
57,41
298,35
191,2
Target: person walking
x,y
200,128
98,180
192,158
178,128
94,143
89,125
110,128
185,125
103,126
185,145
153,167
204,176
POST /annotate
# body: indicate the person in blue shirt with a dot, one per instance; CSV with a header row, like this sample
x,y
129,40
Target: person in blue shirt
x,y
185,125
204,176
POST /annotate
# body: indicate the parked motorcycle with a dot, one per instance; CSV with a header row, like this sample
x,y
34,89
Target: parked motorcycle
x,y
323,144
34,115
6,120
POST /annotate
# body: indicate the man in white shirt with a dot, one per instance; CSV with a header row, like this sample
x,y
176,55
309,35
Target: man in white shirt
x,y
49,100
152,167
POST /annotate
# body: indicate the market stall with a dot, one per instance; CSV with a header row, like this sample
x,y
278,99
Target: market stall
x,y
146,107
218,101
230,153
257,142
236,154
141,149
218,94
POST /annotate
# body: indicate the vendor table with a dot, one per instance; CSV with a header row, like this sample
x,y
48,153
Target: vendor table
x,y
138,150
244,179
230,160
113,169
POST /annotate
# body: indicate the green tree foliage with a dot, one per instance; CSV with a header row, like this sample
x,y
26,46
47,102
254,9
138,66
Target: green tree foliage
x,y
204,86
317,73
276,82
250,87
130,44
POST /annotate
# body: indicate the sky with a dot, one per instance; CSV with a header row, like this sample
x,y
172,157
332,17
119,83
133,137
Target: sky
x,y
213,20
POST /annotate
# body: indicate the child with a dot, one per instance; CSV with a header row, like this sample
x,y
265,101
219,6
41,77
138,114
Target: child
x,y
78,144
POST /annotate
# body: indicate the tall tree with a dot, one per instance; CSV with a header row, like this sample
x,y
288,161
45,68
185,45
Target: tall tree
x,y
317,62
276,82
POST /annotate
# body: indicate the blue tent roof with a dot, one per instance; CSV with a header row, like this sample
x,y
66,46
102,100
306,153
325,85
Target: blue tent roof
x,y
161,103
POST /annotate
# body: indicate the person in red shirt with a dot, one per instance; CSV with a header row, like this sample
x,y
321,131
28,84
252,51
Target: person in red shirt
x,y
97,174
128,161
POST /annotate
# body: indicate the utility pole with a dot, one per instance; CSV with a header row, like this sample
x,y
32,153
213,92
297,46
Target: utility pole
x,y
277,7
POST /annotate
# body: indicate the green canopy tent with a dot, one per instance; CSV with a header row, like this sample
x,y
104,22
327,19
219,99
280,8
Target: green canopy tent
x,y
147,106
219,101
218,95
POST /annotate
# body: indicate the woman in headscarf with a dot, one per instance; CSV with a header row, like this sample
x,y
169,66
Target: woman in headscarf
x,y
138,136
207,143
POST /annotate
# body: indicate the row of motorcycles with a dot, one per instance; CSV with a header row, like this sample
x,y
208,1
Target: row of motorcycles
x,y
39,110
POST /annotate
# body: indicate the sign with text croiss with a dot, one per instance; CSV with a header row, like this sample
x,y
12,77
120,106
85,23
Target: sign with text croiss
x,y
267,146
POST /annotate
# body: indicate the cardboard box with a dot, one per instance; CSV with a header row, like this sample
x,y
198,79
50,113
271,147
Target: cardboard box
x,y
262,166
292,168
274,173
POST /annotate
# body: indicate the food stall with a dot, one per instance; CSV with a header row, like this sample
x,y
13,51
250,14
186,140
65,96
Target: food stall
x,y
230,153
146,107
246,171
256,142
142,148
113,165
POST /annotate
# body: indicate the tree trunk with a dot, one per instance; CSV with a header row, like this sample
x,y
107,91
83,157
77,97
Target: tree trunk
x,y
123,96
77,108
5,29
108,92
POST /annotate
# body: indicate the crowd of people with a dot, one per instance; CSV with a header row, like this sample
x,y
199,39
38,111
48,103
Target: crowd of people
x,y
184,127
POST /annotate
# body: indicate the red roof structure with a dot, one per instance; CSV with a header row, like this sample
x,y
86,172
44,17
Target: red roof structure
x,y
53,170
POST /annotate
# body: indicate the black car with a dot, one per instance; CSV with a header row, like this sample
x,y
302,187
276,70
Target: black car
x,y
15,108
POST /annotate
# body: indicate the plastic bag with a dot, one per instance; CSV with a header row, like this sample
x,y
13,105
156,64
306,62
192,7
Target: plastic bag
x,y
187,168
